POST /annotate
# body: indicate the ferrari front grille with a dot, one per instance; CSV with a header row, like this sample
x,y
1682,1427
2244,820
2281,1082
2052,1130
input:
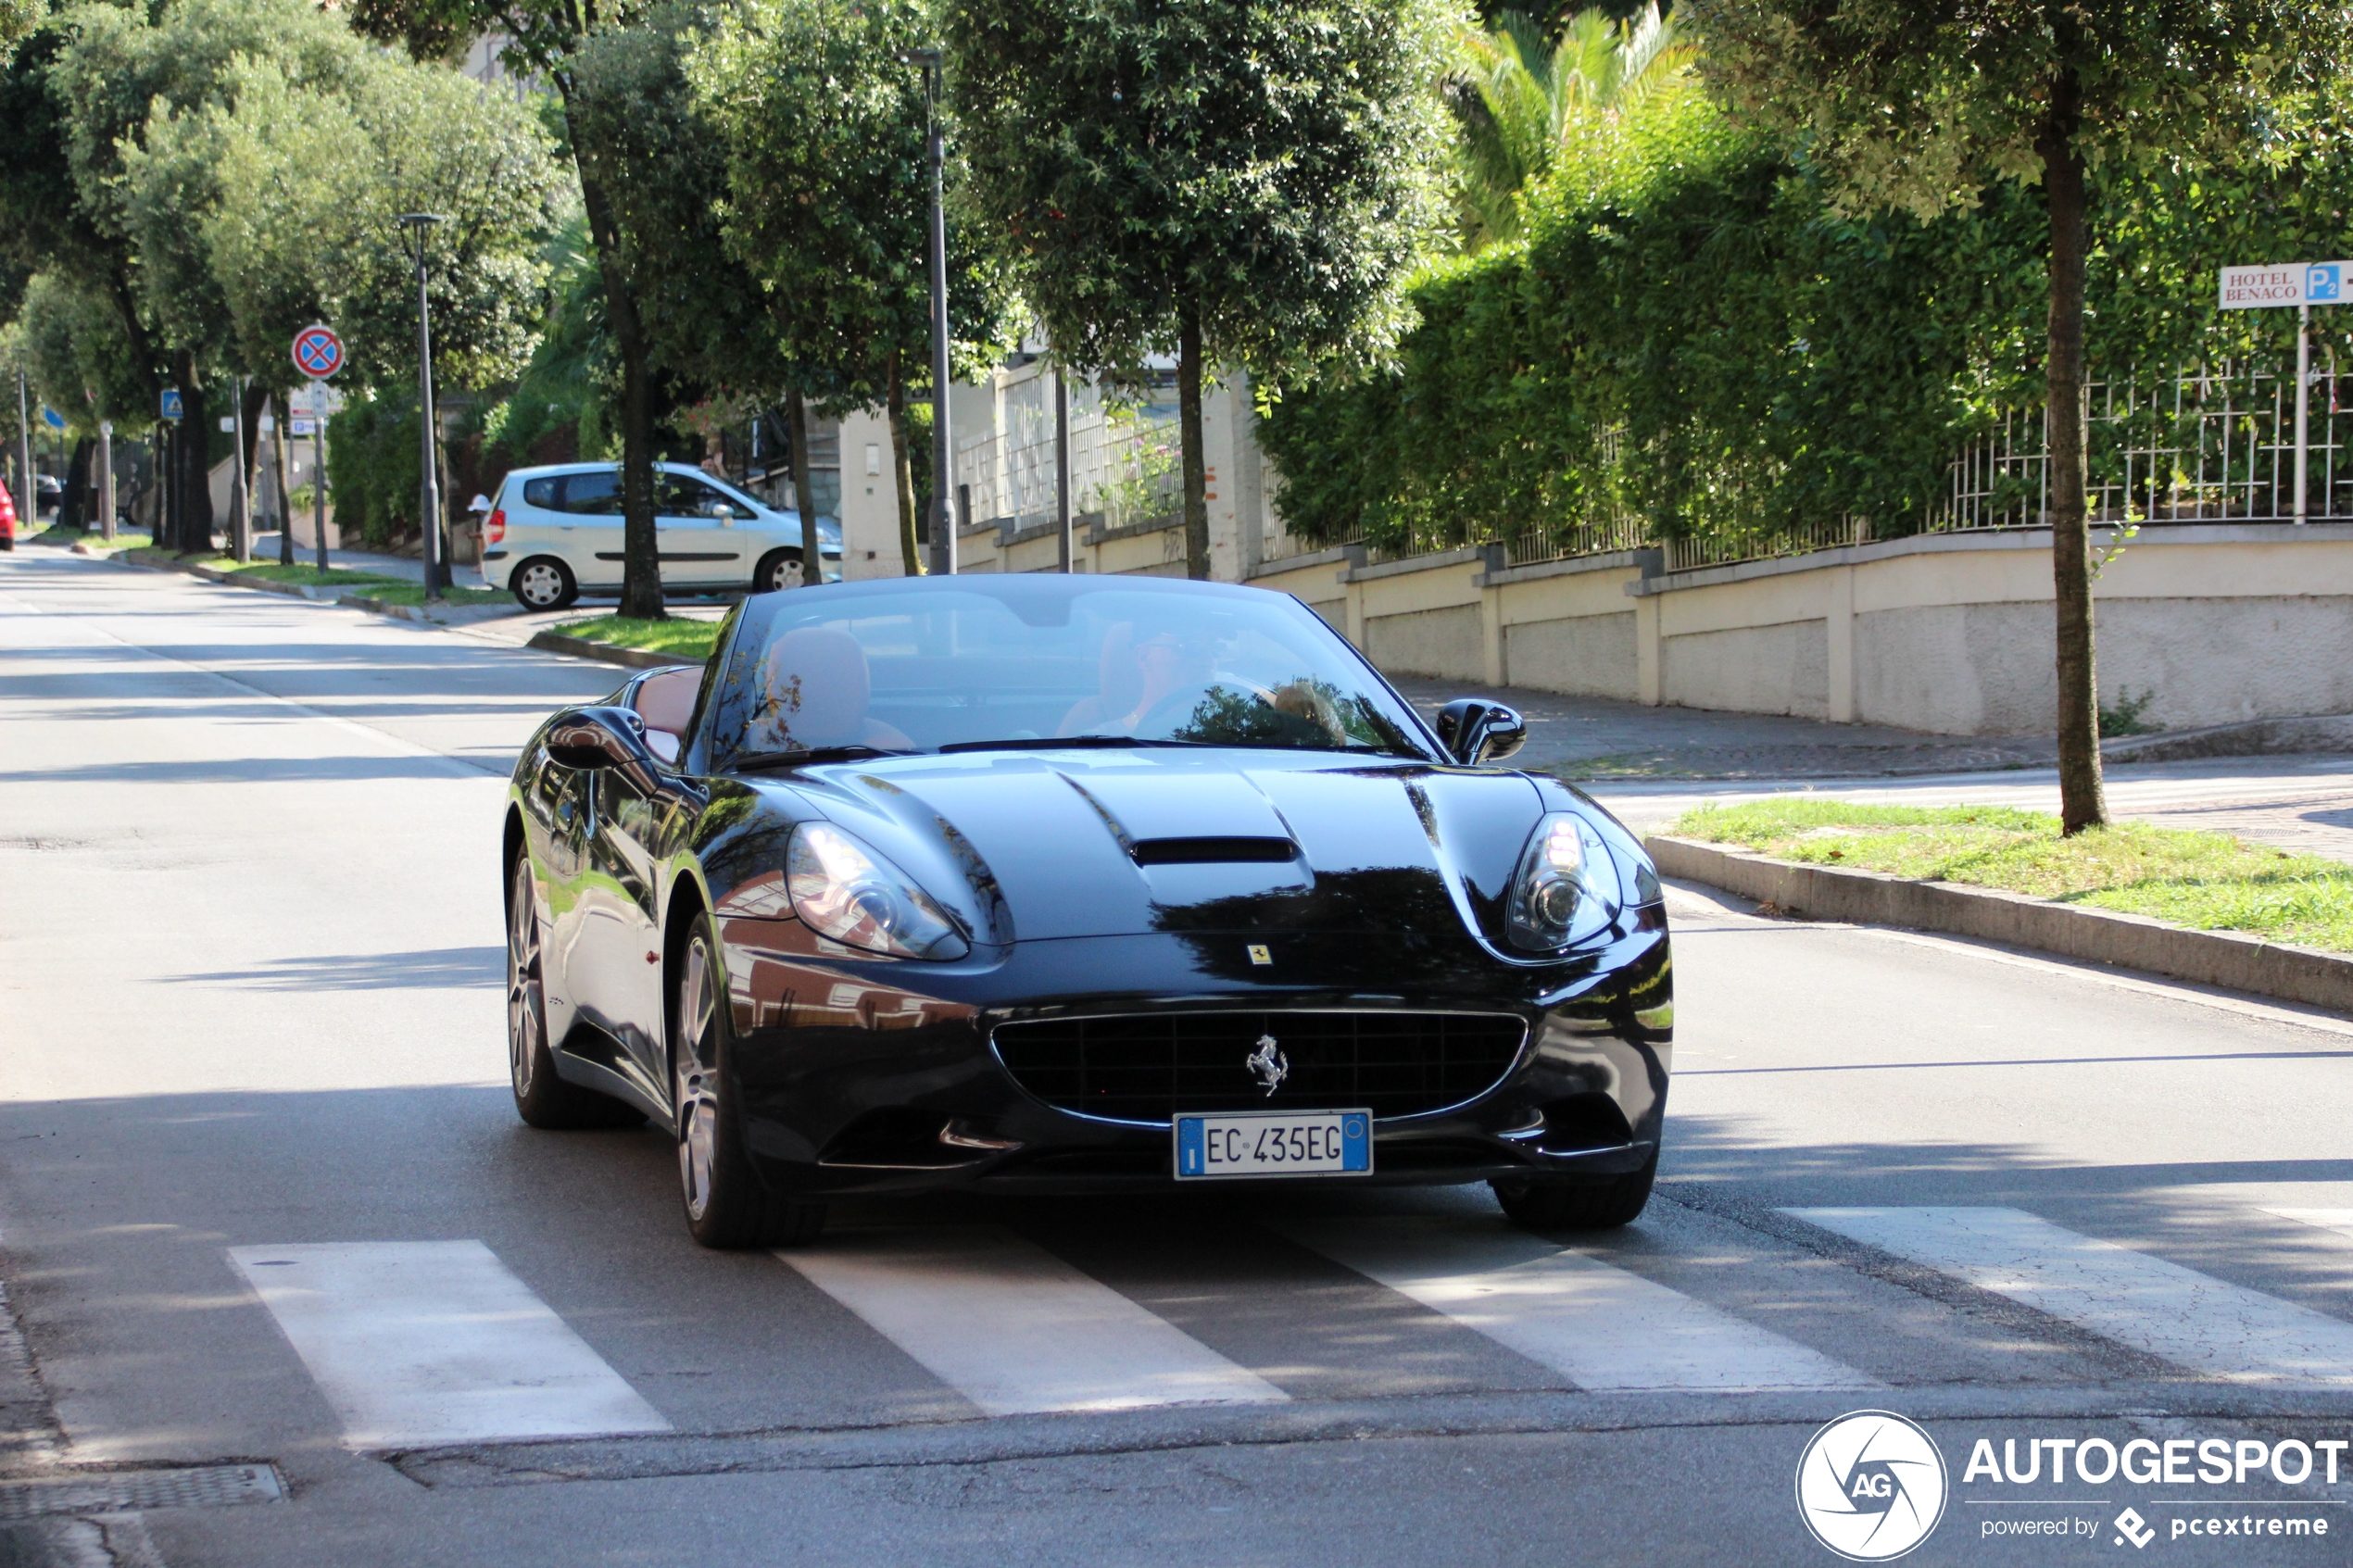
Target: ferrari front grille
x,y
1148,1067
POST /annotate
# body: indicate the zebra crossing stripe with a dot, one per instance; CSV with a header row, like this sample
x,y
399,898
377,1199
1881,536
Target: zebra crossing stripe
x,y
417,1344
1016,1330
2192,1319
1604,1328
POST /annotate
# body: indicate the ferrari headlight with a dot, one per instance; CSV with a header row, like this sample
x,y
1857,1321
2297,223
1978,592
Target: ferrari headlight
x,y
1566,889
842,889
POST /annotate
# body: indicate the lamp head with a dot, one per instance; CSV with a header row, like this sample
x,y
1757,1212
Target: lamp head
x,y
927,59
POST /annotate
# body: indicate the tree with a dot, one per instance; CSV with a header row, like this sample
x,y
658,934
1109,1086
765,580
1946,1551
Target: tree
x,y
1918,103
120,76
710,325
1245,182
547,37
1520,98
828,202
299,224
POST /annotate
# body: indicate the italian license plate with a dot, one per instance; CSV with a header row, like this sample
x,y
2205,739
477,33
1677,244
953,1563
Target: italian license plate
x,y
1275,1143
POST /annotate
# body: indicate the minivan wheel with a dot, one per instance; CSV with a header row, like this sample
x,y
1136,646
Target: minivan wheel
x,y
778,569
544,583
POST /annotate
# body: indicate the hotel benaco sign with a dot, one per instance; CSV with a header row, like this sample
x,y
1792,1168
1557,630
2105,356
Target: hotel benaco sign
x,y
2285,283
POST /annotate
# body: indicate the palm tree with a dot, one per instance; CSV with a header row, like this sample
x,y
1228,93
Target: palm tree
x,y
1519,96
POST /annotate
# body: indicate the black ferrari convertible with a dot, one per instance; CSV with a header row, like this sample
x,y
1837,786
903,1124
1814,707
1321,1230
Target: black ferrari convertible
x,y
1055,883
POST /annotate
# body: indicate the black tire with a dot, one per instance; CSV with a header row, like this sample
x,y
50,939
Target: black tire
x,y
725,1204
541,1099
778,569
543,583
1555,1203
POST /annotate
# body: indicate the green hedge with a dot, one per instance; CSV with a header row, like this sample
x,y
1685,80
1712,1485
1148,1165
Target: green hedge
x,y
373,471
1761,362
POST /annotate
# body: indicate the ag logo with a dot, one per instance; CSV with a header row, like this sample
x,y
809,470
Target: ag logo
x,y
1872,1486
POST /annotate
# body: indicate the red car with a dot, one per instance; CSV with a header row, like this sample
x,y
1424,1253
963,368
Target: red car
x,y
7,520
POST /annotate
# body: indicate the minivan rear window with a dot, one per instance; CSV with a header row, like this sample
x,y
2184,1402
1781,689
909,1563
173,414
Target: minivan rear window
x,y
540,493
597,493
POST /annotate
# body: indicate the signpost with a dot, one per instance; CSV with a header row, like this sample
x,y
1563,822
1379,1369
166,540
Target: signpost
x,y
2302,285
318,354
174,410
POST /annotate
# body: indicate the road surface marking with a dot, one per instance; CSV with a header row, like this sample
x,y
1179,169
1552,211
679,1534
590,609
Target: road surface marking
x,y
1016,1330
421,1343
2192,1319
1602,1326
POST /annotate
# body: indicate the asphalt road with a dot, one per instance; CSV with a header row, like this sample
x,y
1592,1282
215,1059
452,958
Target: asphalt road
x,y
296,1283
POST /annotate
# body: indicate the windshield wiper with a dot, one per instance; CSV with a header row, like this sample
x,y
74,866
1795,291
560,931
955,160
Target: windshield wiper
x,y
1060,743
758,759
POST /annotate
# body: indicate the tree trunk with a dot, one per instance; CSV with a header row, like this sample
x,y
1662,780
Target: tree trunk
x,y
256,400
196,483
903,471
285,491
74,504
641,558
804,489
2082,800
1188,428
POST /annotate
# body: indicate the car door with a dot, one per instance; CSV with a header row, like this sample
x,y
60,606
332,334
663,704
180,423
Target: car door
x,y
560,807
621,926
589,529
696,525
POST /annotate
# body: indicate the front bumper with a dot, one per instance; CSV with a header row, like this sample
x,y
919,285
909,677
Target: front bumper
x,y
853,1080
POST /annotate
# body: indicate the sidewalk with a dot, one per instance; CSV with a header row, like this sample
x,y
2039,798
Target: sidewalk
x,y
1592,737
1649,765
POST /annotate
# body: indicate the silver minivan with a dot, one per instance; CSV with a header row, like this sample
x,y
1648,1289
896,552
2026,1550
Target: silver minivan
x,y
556,530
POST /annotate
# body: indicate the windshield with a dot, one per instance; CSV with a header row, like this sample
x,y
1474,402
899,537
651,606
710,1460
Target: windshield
x,y
1028,660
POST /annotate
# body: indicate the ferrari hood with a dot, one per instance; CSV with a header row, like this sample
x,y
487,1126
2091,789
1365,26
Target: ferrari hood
x,y
1114,842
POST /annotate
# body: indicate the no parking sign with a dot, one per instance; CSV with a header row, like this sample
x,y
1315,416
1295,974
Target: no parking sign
x,y
318,352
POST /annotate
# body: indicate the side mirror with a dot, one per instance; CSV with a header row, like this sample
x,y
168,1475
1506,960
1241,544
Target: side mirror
x,y
1477,730
603,737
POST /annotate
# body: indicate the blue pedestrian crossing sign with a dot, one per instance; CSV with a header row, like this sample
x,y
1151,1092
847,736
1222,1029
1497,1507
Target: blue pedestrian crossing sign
x,y
171,408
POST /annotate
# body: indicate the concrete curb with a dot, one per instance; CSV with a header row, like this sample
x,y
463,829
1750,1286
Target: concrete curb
x,y
2255,738
2230,960
580,647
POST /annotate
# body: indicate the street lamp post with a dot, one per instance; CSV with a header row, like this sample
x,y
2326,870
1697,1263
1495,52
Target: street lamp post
x,y
418,224
943,516
106,480
30,499
1062,464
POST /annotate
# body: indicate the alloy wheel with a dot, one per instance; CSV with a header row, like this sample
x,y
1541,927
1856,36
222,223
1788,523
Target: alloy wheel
x,y
785,573
694,1080
526,996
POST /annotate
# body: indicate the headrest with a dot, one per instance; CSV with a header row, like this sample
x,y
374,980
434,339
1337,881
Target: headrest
x,y
817,686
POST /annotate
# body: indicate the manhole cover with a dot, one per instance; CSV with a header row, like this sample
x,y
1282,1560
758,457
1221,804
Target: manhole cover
x,y
116,1491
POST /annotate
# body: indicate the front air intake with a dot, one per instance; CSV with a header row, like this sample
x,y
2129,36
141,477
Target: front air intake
x,y
1147,1067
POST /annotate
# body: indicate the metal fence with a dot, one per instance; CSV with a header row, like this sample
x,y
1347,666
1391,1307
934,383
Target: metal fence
x,y
2213,445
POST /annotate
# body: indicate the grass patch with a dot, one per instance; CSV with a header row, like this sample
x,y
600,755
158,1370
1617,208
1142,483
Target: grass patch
x,y
687,639
2205,881
309,576
65,538
386,591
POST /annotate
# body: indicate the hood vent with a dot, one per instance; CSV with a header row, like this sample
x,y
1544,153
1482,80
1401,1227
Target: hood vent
x,y
1212,851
